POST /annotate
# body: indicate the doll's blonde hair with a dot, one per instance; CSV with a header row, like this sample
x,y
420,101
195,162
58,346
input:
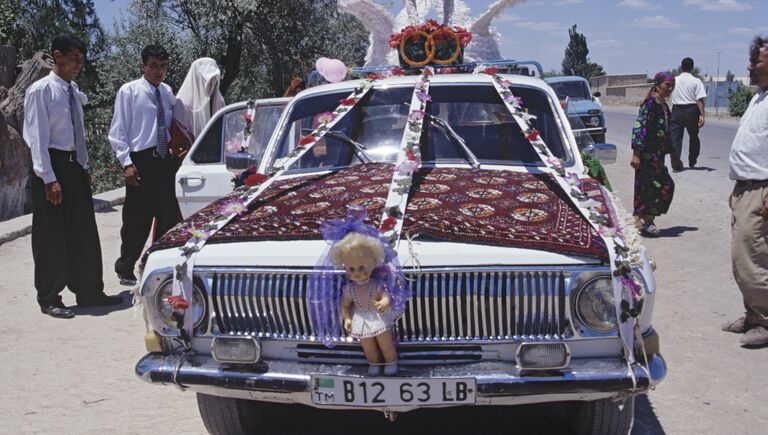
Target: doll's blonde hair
x,y
353,242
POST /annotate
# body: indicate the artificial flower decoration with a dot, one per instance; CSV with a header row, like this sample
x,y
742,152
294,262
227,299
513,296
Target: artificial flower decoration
x,y
388,224
178,302
306,140
325,117
234,206
491,70
532,135
348,102
247,117
254,179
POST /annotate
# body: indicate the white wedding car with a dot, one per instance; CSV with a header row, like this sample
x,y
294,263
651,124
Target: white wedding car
x,y
511,301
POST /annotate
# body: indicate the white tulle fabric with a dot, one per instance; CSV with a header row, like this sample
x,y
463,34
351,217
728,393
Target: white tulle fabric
x,y
199,96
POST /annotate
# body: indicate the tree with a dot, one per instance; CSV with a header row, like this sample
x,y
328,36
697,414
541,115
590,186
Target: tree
x,y
576,62
738,100
551,73
37,21
729,76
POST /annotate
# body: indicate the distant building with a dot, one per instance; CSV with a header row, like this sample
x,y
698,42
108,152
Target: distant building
x,y
621,88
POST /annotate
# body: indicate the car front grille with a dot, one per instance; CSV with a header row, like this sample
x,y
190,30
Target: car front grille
x,y
445,305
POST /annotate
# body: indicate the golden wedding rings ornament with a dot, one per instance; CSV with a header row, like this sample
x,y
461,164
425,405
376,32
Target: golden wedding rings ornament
x,y
430,47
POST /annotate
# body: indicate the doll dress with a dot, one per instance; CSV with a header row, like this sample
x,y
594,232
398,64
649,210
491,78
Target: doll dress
x,y
366,319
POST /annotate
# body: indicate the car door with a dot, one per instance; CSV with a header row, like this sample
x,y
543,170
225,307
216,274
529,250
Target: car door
x,y
219,154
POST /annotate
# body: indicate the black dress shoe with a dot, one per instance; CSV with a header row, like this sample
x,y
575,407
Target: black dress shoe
x,y
99,300
126,278
57,310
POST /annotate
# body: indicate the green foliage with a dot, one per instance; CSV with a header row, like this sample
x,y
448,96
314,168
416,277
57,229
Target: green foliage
x,y
551,73
105,170
9,18
576,62
738,100
37,21
595,69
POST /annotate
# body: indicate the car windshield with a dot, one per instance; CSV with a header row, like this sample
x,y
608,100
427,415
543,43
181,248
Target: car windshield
x,y
576,90
474,112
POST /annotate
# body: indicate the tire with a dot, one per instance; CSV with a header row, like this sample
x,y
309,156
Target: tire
x,y
603,417
598,138
227,416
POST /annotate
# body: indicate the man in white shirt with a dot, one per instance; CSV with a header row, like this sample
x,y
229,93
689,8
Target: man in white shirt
x,y
687,114
749,204
139,135
65,241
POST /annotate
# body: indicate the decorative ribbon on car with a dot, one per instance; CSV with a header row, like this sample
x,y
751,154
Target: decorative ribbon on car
x,y
595,213
408,161
182,277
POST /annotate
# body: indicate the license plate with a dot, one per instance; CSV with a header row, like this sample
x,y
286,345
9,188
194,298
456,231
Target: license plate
x,y
381,392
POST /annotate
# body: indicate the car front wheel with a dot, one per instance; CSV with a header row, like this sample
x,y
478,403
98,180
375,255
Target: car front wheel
x,y
604,417
227,416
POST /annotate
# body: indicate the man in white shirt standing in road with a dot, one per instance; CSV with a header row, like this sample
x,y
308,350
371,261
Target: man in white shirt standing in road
x,y
65,241
687,114
139,135
749,204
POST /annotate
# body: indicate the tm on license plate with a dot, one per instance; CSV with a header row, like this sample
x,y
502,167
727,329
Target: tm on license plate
x,y
348,391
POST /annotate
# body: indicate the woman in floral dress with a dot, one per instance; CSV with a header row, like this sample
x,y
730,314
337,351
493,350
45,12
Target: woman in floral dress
x,y
654,187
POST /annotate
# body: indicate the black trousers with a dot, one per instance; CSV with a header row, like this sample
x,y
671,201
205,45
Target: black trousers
x,y
65,240
153,198
685,117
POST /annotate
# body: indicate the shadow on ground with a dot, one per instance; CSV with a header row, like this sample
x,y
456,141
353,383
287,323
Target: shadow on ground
x,y
676,231
127,297
646,422
701,168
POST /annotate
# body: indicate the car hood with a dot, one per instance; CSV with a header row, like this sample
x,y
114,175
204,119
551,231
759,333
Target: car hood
x,y
452,212
582,107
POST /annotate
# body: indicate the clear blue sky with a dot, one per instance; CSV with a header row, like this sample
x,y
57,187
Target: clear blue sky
x,y
624,36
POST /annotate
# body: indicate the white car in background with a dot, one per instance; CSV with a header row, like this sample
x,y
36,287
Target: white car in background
x,y
207,171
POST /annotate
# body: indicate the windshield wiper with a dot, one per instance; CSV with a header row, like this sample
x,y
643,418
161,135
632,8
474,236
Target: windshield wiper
x,y
442,125
357,147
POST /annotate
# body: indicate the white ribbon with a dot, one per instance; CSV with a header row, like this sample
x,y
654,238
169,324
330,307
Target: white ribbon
x,y
408,161
183,273
568,181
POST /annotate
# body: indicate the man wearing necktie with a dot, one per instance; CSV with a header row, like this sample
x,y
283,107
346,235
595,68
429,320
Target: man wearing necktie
x,y
139,135
65,240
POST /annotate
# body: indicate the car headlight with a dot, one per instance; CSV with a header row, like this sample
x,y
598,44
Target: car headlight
x,y
165,310
595,121
594,305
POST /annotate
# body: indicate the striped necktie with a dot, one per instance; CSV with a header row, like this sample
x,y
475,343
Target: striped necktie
x,y
81,152
162,133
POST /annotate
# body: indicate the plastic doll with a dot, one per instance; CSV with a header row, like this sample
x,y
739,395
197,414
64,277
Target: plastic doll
x,y
365,303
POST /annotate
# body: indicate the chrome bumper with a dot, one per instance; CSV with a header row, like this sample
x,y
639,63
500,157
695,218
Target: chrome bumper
x,y
498,383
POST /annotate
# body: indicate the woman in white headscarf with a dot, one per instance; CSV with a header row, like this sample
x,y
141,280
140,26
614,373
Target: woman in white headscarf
x,y
198,98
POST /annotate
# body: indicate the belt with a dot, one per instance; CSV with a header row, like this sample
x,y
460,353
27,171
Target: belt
x,y
747,183
71,154
153,151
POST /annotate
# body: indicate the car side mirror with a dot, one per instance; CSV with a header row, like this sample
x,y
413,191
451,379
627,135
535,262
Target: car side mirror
x,y
604,152
596,94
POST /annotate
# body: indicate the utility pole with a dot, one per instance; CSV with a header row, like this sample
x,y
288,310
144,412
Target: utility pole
x,y
717,81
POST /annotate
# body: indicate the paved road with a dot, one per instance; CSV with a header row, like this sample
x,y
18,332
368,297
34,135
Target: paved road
x,y
76,376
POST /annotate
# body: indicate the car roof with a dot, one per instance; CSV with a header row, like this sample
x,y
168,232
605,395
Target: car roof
x,y
436,79
559,79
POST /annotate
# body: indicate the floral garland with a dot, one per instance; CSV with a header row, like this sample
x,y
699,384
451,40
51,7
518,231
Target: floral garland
x,y
257,184
597,215
408,161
